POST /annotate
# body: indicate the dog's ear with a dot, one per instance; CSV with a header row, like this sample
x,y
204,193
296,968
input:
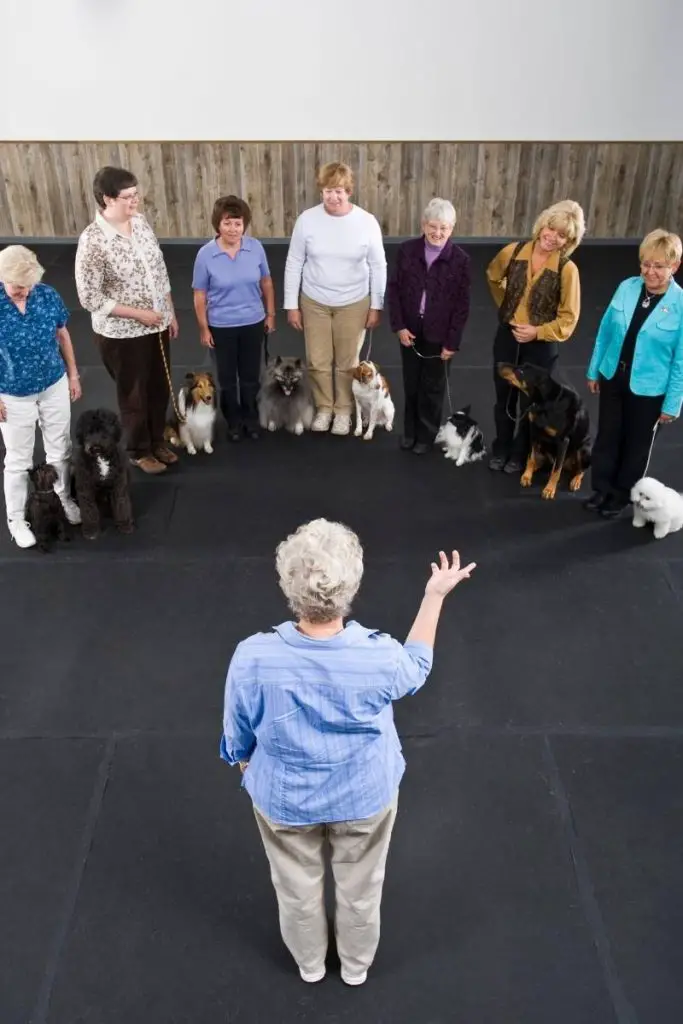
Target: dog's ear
x,y
298,363
112,423
210,379
51,475
278,360
189,377
466,410
358,372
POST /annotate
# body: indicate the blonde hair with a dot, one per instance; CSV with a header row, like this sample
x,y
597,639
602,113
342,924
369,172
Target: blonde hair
x,y
20,266
662,243
336,175
320,567
441,210
567,217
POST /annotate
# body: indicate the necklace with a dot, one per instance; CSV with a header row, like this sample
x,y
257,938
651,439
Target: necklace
x,y
647,300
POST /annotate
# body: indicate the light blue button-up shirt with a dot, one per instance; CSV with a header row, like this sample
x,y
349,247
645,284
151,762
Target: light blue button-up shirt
x,y
314,719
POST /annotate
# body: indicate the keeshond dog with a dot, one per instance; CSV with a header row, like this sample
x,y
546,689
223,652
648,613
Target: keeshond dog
x,y
285,399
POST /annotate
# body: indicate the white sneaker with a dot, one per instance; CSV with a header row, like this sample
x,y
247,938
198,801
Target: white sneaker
x,y
21,533
353,979
342,424
71,511
311,977
322,421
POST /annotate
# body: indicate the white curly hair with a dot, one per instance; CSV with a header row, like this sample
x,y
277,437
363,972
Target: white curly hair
x,y
19,266
320,567
441,210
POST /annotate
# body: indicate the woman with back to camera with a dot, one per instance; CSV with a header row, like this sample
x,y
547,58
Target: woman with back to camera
x,y
234,302
308,715
637,369
429,303
535,286
38,382
122,281
335,277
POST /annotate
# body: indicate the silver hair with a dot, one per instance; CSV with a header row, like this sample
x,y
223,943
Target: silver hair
x,y
20,266
320,567
439,209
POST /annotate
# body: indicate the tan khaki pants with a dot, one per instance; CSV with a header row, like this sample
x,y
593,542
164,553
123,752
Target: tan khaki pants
x,y
358,854
334,337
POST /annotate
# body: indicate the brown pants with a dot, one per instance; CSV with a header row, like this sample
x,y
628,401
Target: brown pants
x,y
358,854
334,337
136,367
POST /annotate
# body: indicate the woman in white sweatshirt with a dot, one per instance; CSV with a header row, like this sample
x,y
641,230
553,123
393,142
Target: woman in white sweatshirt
x,y
335,278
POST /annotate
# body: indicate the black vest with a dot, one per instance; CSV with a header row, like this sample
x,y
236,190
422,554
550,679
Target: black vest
x,y
544,298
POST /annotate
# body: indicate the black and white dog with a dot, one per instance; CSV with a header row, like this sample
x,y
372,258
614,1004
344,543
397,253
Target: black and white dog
x,y
101,472
461,438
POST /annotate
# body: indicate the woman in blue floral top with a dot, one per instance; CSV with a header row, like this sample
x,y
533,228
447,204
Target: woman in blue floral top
x,y
38,381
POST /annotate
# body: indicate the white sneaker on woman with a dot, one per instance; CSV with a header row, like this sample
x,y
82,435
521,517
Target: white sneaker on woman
x,y
312,977
342,424
21,533
71,511
353,979
322,421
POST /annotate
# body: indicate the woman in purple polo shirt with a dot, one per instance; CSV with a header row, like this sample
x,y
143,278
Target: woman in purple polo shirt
x,y
429,303
231,283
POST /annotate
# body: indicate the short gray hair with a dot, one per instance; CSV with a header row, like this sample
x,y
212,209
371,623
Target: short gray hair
x,y
320,567
439,209
20,266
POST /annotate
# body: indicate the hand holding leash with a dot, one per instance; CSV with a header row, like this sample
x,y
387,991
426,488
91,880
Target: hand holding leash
x,y
406,338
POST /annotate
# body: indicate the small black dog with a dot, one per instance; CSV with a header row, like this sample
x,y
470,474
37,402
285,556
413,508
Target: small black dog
x,y
101,473
559,426
44,511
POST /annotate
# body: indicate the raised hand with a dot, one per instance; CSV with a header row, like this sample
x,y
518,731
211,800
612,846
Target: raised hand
x,y
445,577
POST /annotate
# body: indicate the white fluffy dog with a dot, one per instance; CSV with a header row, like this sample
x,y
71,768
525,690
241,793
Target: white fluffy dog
x,y
655,503
374,405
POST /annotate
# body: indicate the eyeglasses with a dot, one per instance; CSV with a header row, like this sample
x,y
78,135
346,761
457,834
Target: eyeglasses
x,y
130,197
646,265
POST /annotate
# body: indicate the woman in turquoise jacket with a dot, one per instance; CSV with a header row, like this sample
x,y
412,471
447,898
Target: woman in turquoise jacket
x,y
637,369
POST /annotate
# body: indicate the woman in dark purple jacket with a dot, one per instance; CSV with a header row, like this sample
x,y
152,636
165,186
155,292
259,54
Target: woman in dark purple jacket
x,y
429,302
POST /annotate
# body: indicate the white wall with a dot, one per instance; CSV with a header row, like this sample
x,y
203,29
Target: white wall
x,y
341,70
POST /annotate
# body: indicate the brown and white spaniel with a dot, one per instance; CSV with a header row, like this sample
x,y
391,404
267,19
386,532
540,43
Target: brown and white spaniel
x,y
374,405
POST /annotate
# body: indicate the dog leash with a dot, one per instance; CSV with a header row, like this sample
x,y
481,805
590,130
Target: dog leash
x,y
445,370
655,431
367,354
176,410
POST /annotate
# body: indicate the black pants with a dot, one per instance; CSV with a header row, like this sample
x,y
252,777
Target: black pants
x,y
625,425
238,366
424,385
507,444
137,368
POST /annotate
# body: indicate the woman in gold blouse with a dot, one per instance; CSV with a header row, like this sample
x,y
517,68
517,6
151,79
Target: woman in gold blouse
x,y
536,289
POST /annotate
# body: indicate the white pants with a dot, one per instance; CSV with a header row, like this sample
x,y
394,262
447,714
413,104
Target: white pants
x,y
51,409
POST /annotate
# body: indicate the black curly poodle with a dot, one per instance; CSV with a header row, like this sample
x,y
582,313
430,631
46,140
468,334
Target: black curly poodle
x,y
101,473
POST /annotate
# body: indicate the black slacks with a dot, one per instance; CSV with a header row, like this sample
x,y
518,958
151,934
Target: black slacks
x,y
626,423
137,368
510,400
424,386
238,367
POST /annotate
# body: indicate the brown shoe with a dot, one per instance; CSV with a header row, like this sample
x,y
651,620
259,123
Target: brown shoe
x,y
148,464
165,455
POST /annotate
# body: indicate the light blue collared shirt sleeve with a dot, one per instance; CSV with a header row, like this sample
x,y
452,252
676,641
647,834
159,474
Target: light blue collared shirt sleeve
x,y
413,666
200,276
238,741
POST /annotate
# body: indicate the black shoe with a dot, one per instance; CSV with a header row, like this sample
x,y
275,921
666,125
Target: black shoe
x,y
497,463
253,433
613,507
595,502
234,435
513,467
407,443
421,449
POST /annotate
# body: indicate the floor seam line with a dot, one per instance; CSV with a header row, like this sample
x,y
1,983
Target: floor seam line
x,y
624,1011
59,938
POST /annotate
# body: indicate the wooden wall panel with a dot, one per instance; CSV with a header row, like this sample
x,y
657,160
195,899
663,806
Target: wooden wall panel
x,y
498,189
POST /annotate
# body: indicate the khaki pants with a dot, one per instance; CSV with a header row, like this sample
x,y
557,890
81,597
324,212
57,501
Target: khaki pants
x,y
334,337
358,854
